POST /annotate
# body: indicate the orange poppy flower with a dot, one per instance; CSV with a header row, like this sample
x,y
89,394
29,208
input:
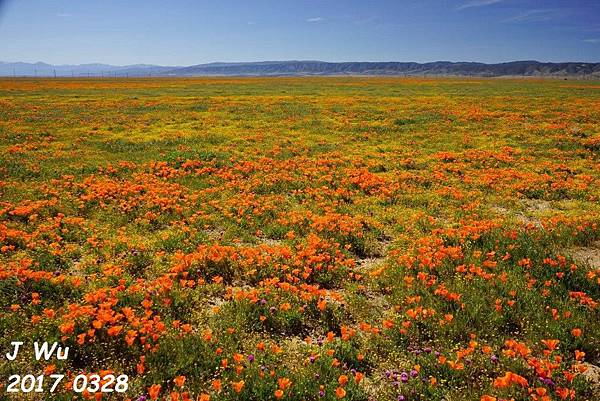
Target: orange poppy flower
x,y
238,386
154,391
179,381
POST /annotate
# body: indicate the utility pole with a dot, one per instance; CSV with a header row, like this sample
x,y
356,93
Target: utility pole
x,y
55,73
14,73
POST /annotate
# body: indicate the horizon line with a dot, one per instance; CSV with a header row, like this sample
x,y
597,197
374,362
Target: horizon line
x,y
302,60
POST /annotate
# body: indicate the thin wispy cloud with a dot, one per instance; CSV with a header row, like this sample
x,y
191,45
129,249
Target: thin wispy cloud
x,y
478,3
315,19
592,40
63,15
537,15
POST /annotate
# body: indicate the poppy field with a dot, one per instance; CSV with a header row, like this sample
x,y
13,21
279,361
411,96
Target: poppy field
x,y
302,238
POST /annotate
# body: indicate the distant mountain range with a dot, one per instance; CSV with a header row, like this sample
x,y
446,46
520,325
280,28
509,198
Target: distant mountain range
x,y
314,68
80,70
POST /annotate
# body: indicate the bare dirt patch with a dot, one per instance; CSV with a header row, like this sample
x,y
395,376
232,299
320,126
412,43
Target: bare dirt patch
x,y
589,255
592,376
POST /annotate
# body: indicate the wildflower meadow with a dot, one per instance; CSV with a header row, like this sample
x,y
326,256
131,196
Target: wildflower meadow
x,y
300,239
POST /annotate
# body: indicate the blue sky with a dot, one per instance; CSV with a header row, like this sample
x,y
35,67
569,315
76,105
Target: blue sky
x,y
185,32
